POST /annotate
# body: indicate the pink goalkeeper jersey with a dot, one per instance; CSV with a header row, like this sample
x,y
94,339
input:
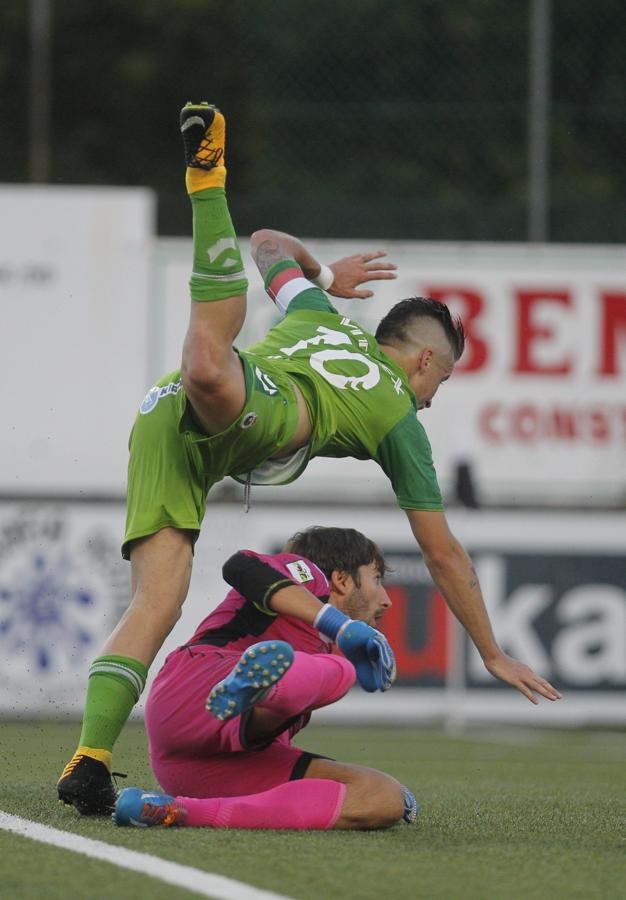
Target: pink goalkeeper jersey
x,y
237,622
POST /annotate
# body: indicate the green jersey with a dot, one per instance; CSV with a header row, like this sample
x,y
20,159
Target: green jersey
x,y
359,401
360,404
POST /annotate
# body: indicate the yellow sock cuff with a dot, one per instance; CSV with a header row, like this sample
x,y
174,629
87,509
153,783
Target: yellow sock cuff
x,y
201,179
104,756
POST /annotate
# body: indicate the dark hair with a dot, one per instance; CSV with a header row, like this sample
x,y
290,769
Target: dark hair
x,y
392,327
337,549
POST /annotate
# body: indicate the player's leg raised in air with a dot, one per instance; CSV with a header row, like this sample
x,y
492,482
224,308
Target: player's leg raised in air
x,y
267,692
159,540
211,370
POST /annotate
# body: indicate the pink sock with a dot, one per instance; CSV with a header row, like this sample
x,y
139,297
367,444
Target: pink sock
x,y
312,681
305,804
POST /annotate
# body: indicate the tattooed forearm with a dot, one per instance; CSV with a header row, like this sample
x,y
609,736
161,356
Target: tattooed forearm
x,y
473,581
266,254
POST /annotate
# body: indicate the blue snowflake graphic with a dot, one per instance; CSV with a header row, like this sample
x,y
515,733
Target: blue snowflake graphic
x,y
38,612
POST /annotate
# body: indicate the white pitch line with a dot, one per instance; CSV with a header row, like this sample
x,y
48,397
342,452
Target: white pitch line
x,y
217,887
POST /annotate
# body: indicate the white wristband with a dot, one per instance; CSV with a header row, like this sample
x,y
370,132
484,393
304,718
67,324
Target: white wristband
x,y
325,278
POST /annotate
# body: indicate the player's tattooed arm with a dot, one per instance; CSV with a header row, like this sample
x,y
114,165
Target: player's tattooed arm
x,y
269,247
457,581
266,254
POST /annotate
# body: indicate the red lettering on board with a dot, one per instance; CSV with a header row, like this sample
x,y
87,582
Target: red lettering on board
x,y
530,332
431,658
563,424
527,423
488,424
613,330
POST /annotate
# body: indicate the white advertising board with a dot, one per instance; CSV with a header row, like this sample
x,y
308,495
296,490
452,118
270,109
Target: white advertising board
x,y
555,586
74,270
538,402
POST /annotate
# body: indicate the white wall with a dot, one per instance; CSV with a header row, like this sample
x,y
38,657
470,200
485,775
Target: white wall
x,y
74,275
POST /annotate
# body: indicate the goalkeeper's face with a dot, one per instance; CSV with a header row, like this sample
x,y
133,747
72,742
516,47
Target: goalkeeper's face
x,y
368,600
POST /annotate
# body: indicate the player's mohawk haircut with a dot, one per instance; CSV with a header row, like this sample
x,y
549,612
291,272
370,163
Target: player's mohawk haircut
x,y
393,328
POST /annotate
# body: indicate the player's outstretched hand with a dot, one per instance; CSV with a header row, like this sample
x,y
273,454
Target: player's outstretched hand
x,y
522,677
370,653
351,271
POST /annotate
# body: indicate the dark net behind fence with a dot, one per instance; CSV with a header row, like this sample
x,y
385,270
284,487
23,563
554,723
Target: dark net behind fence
x,y
405,119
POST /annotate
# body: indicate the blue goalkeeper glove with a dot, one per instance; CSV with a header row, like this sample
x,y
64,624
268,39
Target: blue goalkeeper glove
x,y
366,648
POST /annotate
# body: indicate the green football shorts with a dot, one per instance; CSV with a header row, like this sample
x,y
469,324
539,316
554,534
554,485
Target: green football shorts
x,y
173,465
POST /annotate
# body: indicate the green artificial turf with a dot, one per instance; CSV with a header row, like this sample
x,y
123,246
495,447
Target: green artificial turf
x,y
505,814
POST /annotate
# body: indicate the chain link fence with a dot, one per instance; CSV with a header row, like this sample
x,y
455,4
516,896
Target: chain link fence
x,y
373,119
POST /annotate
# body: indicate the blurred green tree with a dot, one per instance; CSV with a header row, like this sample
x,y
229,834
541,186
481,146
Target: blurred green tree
x,y
374,119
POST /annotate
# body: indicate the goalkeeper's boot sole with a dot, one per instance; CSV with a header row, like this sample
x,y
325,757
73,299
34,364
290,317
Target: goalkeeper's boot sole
x,y
261,667
86,783
144,809
203,130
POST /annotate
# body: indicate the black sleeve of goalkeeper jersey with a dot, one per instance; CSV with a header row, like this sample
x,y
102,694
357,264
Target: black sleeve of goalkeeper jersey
x,y
253,579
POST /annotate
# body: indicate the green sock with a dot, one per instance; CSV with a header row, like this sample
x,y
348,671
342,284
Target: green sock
x,y
115,685
218,271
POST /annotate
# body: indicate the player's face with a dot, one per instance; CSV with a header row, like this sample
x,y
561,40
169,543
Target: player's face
x,y
428,378
369,600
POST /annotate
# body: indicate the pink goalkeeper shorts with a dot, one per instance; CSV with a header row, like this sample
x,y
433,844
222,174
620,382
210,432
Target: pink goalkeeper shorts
x,y
194,754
